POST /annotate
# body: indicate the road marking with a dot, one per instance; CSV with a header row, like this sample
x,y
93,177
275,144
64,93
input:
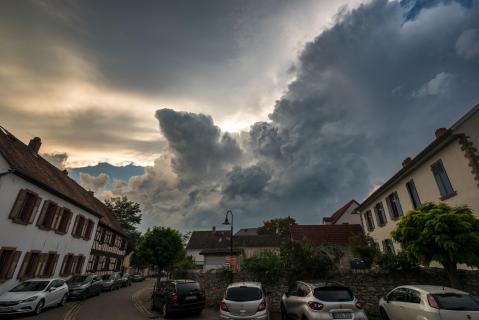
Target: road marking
x,y
72,313
136,300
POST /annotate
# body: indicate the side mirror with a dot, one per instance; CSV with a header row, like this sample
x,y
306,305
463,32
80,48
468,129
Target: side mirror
x,y
386,298
52,289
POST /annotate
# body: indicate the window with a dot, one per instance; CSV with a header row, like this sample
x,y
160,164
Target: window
x,y
65,219
48,215
77,231
399,295
388,246
112,240
30,265
112,265
411,189
118,264
98,234
243,294
25,207
394,206
92,263
50,265
456,301
369,220
8,262
101,263
442,180
89,229
67,265
413,296
79,264
380,215
333,294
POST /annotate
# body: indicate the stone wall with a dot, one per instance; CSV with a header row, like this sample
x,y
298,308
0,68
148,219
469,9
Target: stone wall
x,y
367,286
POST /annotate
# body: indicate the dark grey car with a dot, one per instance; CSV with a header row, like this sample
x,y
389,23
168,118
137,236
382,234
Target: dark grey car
x,y
84,286
111,281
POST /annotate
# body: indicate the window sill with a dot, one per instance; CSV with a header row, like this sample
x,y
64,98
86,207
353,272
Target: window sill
x,y
20,222
60,232
448,196
43,228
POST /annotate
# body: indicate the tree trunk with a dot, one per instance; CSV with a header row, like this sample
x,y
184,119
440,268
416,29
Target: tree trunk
x,y
451,270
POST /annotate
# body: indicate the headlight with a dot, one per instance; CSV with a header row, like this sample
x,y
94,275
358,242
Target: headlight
x,y
29,299
83,287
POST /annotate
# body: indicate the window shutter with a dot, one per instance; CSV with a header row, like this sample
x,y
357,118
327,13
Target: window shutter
x,y
74,264
57,217
62,269
81,261
18,205
42,261
13,264
41,218
398,203
75,226
69,220
23,268
390,208
55,262
31,217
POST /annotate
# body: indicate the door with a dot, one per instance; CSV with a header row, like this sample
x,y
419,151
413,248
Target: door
x,y
396,304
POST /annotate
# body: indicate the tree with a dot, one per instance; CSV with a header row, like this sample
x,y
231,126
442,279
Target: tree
x,y
266,266
162,247
128,214
278,226
438,232
138,262
364,247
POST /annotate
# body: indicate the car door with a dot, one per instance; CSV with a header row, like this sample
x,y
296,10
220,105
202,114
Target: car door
x,y
295,300
60,290
49,294
413,307
396,304
96,284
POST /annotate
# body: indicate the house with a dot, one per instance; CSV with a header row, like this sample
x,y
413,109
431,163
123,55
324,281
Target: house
x,y
347,214
447,171
336,235
202,240
247,232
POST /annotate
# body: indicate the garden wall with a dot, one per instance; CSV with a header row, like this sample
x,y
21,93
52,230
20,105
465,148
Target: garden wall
x,y
368,286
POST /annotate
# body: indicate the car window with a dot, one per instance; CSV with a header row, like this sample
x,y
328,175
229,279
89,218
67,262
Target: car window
x,y
186,288
30,286
303,290
244,294
336,294
293,290
399,295
413,296
454,301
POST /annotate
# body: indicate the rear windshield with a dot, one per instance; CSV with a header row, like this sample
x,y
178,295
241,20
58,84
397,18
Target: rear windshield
x,y
454,301
243,294
333,294
186,288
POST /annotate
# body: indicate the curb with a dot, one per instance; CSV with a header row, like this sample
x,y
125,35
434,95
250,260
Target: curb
x,y
144,310
73,311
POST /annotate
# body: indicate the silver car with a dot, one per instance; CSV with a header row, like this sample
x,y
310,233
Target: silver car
x,y
244,300
315,300
33,295
428,303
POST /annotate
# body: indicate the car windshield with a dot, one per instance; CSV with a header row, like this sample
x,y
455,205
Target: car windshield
x,y
107,277
244,294
454,301
78,279
31,286
331,294
186,288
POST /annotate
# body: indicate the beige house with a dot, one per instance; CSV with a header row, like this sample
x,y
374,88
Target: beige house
x,y
347,214
447,170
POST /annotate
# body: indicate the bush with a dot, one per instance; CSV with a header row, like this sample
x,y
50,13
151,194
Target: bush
x,y
266,266
364,248
181,267
400,262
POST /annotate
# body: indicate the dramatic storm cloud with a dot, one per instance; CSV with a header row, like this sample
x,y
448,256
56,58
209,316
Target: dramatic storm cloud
x,y
93,183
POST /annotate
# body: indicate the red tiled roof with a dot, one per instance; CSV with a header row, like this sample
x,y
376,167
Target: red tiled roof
x,y
32,167
336,234
338,214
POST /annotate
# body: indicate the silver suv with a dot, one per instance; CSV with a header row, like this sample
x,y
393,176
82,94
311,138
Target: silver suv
x,y
244,300
314,300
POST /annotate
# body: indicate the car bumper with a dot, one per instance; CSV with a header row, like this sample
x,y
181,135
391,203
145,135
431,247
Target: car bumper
x,y
327,316
187,307
76,293
18,308
261,316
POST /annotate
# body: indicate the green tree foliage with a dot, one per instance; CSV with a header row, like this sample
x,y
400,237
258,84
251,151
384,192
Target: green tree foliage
x,y
364,247
396,262
266,266
181,266
162,247
438,232
128,214
138,261
279,226
303,260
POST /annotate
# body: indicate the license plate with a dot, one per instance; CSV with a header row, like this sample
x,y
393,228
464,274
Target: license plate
x,y
190,298
342,315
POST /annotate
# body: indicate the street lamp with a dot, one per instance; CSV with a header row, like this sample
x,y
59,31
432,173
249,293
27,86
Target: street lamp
x,y
227,223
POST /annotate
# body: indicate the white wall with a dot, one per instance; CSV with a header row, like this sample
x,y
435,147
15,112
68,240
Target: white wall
x,y
214,262
349,217
29,237
197,257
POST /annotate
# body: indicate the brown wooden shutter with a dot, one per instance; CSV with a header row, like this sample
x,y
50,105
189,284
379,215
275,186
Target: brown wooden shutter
x,y
43,213
40,267
74,264
23,268
55,262
57,218
13,264
31,217
62,269
18,205
75,226
79,267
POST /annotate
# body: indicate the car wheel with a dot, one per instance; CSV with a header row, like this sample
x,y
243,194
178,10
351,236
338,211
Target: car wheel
x,y
39,307
63,301
284,315
384,315
164,311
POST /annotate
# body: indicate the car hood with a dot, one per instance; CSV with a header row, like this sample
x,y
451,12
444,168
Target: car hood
x,y
16,296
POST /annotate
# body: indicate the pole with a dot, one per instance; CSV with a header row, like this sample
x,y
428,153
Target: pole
x,y
231,245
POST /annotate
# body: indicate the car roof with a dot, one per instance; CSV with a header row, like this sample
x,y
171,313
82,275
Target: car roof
x,y
322,283
42,279
245,284
433,289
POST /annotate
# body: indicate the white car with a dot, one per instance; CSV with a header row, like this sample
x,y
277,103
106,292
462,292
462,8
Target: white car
x,y
244,300
420,302
33,295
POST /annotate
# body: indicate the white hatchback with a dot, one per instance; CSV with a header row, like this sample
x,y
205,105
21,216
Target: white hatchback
x,y
428,303
33,295
244,300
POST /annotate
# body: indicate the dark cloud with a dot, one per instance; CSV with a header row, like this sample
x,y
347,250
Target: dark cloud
x,y
246,183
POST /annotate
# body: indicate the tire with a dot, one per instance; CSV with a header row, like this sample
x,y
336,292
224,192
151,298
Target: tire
x,y
284,315
164,311
384,315
63,301
39,307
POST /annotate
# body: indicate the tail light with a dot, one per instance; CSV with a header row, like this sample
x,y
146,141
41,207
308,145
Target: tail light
x,y
262,305
223,306
173,297
359,305
315,305
432,302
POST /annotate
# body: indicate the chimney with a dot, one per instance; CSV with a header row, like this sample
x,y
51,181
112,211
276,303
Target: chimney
x,y
35,144
440,132
65,171
91,192
406,161
214,229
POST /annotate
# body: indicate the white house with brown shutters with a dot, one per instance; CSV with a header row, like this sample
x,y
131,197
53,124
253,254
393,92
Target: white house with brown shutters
x,y
47,221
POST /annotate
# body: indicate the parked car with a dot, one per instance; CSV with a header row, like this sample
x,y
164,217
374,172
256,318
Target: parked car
x,y
244,300
320,300
33,296
111,281
126,280
137,277
178,296
428,303
84,286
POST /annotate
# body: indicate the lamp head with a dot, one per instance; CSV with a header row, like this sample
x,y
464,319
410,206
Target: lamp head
x,y
227,222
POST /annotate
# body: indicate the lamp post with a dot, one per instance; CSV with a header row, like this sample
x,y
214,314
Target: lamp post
x,y
226,223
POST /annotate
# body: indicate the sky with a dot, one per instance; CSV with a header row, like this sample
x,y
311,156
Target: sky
x,y
268,108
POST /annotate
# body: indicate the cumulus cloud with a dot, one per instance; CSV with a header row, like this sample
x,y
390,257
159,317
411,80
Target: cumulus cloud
x,y
59,160
93,183
467,45
439,85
